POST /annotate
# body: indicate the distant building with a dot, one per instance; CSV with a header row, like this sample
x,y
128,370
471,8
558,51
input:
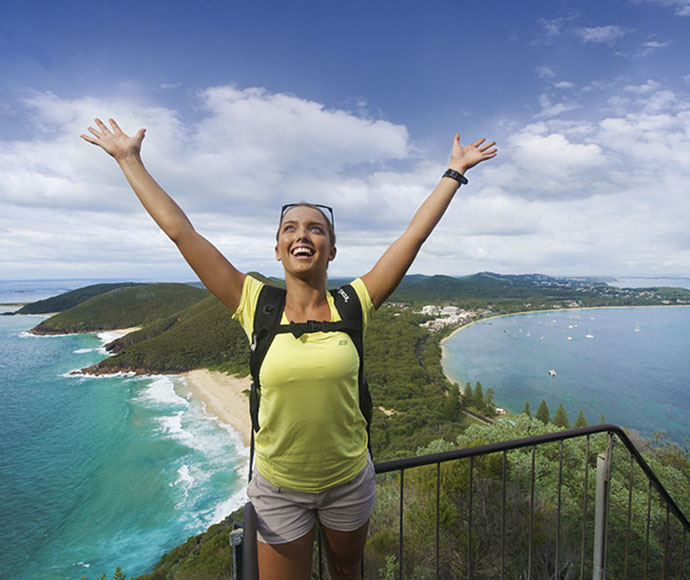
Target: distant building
x,y
448,315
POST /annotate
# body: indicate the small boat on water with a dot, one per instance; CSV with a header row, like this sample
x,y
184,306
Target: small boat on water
x,y
589,336
552,372
637,327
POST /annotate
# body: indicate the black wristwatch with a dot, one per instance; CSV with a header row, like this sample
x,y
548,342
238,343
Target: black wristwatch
x,y
459,177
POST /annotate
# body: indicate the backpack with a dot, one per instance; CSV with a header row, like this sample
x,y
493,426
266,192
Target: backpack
x,y
269,310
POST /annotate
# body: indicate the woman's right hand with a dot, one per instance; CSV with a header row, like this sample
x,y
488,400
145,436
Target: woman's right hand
x,y
115,142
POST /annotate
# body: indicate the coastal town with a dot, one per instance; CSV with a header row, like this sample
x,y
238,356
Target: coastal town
x,y
545,293
449,316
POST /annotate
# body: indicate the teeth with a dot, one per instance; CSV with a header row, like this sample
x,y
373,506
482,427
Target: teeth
x,y
302,251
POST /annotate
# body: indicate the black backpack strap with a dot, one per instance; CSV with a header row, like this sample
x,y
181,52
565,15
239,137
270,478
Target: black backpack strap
x,y
269,309
299,328
350,310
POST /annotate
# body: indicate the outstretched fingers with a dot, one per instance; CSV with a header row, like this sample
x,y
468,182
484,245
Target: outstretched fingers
x,y
113,140
489,150
116,127
102,126
97,135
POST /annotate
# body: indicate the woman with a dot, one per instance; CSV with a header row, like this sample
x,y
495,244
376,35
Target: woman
x,y
318,468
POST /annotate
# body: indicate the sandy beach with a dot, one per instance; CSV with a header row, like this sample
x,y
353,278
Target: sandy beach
x,y
223,396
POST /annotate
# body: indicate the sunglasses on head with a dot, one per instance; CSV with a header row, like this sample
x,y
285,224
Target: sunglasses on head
x,y
326,210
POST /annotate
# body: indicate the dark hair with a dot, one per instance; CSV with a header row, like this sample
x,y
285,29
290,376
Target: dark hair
x,y
329,225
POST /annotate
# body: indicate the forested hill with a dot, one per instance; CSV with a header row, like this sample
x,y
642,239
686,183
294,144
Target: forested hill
x,y
69,299
530,290
490,286
123,307
202,335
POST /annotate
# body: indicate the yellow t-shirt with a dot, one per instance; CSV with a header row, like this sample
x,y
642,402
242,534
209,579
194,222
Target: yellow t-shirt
x,y
313,435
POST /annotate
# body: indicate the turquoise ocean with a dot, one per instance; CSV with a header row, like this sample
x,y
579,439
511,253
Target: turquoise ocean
x,y
100,472
630,364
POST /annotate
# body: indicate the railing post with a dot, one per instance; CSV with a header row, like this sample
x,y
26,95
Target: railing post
x,y
250,563
236,539
600,512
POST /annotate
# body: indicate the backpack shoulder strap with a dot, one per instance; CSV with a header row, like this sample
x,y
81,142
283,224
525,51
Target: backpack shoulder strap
x,y
269,309
350,309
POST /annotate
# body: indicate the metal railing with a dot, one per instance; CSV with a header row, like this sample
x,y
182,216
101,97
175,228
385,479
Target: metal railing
x,y
498,511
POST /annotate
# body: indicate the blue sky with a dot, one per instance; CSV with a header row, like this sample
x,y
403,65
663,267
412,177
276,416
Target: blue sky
x,y
249,105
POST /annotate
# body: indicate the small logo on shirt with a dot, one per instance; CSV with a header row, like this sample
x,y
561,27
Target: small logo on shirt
x,y
343,343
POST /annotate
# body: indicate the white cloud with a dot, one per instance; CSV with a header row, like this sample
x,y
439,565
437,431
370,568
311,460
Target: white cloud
x,y
551,109
251,152
679,7
606,194
551,29
607,35
564,85
648,87
544,71
651,46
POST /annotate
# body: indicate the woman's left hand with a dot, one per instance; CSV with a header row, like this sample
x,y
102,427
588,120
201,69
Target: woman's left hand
x,y
463,157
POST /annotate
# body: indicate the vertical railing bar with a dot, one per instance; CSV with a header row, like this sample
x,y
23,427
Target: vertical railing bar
x,y
663,563
503,515
646,541
318,551
400,541
558,518
531,517
584,512
469,522
627,527
609,468
682,554
438,518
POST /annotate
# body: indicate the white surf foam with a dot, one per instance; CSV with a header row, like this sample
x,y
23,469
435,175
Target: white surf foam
x,y
171,426
185,481
161,391
108,336
235,501
78,374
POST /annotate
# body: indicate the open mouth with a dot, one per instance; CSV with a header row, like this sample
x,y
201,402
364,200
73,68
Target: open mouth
x,y
302,251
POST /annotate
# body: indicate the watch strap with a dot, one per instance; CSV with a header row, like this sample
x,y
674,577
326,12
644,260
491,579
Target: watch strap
x,y
459,177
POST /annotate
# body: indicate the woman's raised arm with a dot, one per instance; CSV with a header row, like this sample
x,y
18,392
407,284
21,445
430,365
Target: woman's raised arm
x,y
385,276
213,269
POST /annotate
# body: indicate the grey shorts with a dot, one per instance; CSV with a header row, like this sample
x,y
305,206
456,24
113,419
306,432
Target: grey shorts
x,y
284,515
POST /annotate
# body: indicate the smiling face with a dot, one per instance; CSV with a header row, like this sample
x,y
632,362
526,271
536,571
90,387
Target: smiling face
x,y
304,241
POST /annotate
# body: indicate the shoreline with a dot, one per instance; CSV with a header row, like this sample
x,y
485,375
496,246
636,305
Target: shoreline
x,y
223,397
464,326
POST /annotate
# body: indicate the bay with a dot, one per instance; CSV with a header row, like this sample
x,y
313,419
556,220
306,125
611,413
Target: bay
x,y
629,364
